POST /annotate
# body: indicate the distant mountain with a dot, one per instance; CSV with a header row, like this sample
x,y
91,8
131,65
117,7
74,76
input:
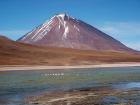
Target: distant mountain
x,y
15,53
64,31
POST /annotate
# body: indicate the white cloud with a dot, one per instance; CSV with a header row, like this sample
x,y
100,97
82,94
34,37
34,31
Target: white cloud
x,y
127,32
121,28
13,34
134,45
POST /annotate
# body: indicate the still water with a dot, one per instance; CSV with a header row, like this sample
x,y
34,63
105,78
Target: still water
x,y
16,85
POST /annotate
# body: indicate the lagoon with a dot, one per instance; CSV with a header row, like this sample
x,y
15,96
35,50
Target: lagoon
x,y
17,85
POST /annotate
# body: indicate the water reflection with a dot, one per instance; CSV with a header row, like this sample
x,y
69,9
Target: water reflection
x,y
130,85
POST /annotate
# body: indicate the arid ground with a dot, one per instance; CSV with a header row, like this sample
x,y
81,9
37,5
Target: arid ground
x,y
14,53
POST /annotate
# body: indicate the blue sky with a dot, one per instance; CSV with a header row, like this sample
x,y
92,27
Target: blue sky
x,y
119,18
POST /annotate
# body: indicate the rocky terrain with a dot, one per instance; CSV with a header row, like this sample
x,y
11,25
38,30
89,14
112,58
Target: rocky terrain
x,y
100,96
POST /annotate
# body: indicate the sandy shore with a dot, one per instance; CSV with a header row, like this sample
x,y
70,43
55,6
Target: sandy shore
x,y
39,67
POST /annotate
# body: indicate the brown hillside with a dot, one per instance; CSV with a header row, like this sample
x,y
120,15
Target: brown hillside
x,y
15,53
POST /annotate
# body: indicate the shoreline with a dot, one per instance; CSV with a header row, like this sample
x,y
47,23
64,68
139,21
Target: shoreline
x,y
90,96
40,67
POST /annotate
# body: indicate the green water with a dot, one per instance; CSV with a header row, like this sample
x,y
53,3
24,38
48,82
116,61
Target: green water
x,y
16,85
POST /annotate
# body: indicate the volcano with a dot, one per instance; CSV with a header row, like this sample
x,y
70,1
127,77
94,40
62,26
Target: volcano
x,y
67,32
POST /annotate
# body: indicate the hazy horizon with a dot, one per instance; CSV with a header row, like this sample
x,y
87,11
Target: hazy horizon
x,y
120,19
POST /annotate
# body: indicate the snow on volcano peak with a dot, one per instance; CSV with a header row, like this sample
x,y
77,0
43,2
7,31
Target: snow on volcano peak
x,y
61,15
